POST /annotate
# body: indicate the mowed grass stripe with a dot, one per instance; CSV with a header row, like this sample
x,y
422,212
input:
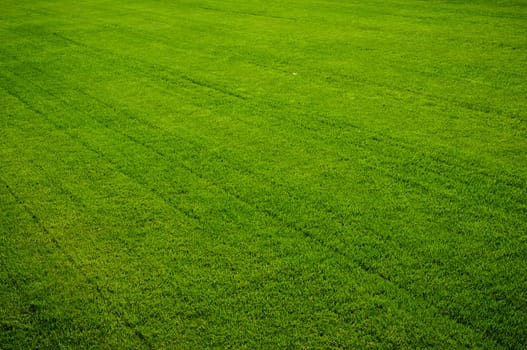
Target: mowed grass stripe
x,y
120,238
155,37
485,136
287,187
130,155
508,180
331,125
237,33
370,82
325,256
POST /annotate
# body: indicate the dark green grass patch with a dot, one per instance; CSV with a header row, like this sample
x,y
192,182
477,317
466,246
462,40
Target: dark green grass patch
x,y
261,174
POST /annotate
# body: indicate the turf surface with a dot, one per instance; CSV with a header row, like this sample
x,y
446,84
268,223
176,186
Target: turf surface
x,y
263,174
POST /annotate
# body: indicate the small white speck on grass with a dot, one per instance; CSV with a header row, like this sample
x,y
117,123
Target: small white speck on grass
x,y
294,73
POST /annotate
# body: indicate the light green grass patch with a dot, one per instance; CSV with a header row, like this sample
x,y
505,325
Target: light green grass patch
x,y
261,174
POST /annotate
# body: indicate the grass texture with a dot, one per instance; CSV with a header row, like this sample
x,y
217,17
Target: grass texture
x,y
263,174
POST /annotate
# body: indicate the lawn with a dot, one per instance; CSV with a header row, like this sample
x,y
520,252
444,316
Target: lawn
x,y
263,174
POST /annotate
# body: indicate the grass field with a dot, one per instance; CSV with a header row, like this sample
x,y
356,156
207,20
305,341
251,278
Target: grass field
x,y
263,174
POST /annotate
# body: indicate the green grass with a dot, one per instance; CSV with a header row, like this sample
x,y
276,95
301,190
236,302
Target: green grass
x,y
263,174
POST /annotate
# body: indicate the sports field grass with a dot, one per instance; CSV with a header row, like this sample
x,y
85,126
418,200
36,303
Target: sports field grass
x,y
263,174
